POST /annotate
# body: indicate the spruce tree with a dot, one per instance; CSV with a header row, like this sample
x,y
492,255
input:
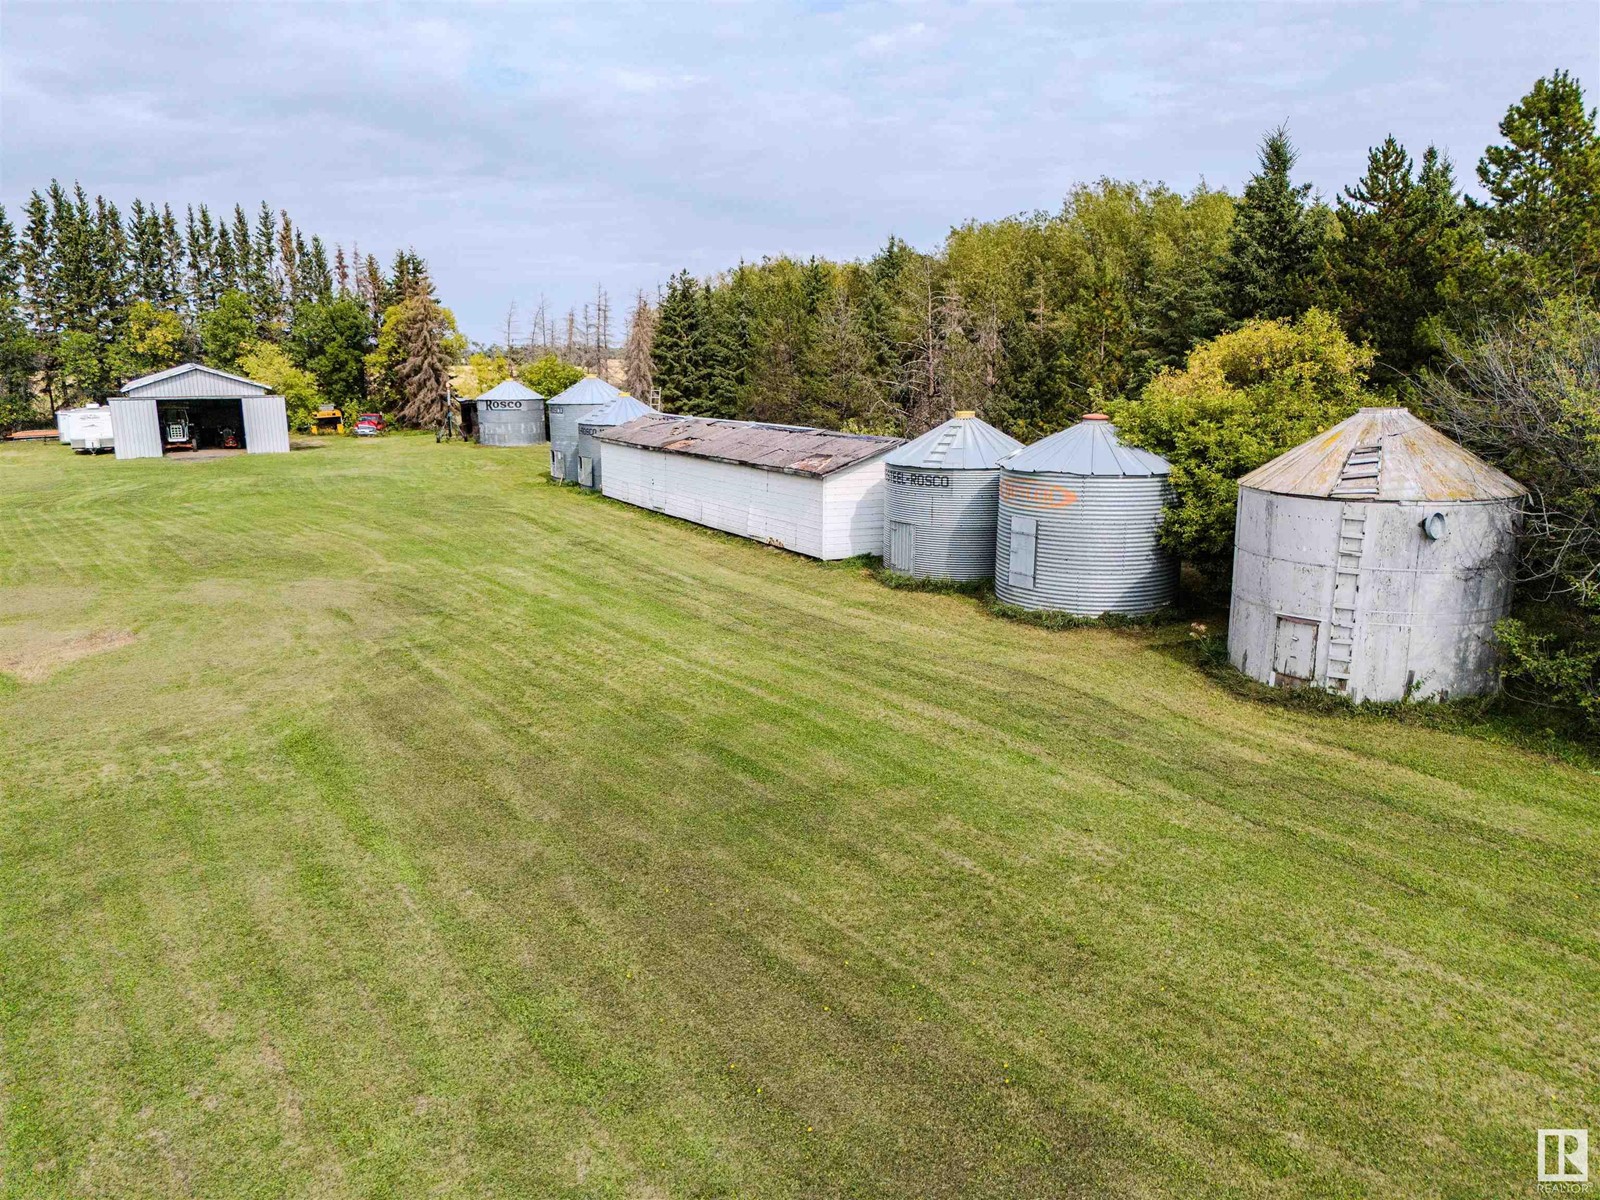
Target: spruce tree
x,y
678,353
725,342
1274,238
1544,181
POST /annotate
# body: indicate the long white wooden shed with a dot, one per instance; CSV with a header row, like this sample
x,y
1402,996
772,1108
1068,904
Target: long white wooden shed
x,y
197,407
813,491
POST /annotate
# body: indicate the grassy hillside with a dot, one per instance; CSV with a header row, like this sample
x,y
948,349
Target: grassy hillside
x,y
382,819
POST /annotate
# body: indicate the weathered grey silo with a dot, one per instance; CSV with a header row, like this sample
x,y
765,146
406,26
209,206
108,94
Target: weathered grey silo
x,y
589,393
1374,559
510,414
941,493
619,412
1079,518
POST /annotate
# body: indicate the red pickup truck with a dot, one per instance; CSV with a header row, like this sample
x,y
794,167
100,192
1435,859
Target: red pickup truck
x,y
369,425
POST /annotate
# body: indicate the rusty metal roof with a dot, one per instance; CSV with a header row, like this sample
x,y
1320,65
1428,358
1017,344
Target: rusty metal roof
x,y
792,449
1383,454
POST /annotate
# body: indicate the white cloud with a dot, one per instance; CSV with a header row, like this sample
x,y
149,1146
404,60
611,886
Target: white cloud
x,y
527,149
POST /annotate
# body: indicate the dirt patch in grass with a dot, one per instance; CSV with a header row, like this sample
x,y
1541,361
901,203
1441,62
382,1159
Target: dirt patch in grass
x,y
39,658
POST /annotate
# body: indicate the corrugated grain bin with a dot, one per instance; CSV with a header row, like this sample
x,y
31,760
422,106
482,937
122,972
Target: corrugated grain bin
x,y
941,497
1079,518
566,408
1374,560
619,412
510,414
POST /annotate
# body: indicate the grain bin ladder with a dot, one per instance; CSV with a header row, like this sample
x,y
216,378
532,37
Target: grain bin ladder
x,y
1357,481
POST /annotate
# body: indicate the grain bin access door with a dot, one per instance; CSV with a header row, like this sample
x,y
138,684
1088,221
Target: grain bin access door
x,y
1294,651
902,547
1024,540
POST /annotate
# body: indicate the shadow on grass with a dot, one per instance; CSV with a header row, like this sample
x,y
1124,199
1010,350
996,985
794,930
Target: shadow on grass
x,y
1184,631
1497,718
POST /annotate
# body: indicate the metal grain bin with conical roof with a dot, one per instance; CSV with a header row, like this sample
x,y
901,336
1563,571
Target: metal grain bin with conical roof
x,y
941,495
619,412
1079,518
566,408
510,414
1374,560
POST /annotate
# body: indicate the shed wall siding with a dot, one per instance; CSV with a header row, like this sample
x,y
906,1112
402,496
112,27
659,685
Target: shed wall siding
x,y
135,428
266,425
853,511
765,506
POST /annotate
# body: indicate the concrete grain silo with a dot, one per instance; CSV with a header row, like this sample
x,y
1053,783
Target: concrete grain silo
x,y
1079,518
566,408
941,494
510,414
619,412
1372,560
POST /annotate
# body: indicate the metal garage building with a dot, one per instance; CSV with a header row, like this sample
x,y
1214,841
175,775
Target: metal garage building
x,y
209,402
812,491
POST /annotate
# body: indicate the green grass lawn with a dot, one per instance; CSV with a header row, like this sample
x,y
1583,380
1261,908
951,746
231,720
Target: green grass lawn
x,y
382,819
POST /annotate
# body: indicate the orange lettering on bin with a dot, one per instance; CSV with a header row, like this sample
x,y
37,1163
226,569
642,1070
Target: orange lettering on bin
x,y
1037,495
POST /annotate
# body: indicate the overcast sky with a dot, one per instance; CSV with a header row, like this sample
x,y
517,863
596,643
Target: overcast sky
x,y
527,149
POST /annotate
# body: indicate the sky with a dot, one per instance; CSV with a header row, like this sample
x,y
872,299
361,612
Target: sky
x,y
542,149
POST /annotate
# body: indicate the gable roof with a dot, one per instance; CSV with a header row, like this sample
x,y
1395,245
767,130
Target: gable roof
x,y
192,381
792,449
1383,454
511,389
1089,448
963,443
591,389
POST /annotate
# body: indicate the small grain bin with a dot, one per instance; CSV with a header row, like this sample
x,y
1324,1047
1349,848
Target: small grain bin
x,y
1079,518
510,414
1374,560
584,397
941,493
619,412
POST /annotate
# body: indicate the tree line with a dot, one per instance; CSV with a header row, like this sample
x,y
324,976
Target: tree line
x,y
90,299
1037,318
1221,331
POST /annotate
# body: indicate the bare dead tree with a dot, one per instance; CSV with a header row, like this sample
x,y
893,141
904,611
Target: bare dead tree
x,y
1526,396
511,337
539,331
602,331
638,368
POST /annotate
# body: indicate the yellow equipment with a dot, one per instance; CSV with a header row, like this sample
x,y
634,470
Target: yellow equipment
x,y
327,420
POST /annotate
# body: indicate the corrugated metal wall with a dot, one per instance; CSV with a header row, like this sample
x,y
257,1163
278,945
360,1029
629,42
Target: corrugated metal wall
x,y
136,428
514,422
1093,543
564,420
945,522
589,451
266,425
